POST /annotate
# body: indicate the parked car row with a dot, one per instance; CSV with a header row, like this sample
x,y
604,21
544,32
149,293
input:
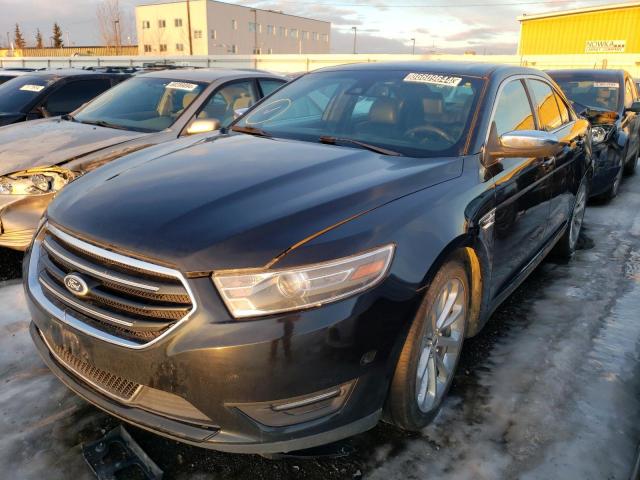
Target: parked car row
x,y
315,264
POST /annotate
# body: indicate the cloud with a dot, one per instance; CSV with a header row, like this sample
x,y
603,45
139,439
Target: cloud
x,y
342,42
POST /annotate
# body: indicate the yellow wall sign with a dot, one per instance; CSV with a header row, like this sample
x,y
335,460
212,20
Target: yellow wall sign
x,y
605,46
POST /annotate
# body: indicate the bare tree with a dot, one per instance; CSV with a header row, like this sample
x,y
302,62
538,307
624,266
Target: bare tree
x,y
111,23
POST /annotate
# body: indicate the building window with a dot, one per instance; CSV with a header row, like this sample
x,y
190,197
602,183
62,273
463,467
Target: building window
x,y
305,35
147,48
233,49
146,24
314,35
252,27
162,24
179,47
325,37
163,47
270,51
234,24
197,34
282,32
293,32
270,30
214,34
177,22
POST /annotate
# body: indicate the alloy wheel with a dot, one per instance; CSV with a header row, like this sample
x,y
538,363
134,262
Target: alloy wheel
x,y
578,215
441,345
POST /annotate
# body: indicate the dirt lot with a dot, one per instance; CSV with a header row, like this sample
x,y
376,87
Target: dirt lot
x,y
550,388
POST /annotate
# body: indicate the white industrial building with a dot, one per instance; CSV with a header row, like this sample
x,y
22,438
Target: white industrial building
x,y
222,28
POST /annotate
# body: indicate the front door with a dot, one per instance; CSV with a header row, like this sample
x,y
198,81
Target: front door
x,y
522,192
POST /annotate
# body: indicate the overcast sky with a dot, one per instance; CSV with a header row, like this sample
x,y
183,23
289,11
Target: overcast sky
x,y
384,26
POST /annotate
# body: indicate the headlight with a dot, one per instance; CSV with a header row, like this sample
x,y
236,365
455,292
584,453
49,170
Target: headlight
x,y
251,293
35,182
599,135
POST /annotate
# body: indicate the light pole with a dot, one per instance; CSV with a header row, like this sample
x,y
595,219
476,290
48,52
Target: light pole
x,y
413,47
189,27
355,34
116,26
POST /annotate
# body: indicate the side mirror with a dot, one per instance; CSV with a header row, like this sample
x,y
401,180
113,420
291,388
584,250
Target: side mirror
x,y
238,112
523,143
203,125
635,107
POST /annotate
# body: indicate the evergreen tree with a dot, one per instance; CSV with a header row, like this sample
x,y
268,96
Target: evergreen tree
x,y
39,41
18,39
57,36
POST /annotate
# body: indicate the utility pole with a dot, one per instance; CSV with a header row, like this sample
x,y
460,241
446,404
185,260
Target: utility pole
x,y
116,27
189,28
413,48
255,37
355,33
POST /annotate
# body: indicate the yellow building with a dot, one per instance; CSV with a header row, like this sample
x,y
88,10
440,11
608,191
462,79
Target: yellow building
x,y
613,28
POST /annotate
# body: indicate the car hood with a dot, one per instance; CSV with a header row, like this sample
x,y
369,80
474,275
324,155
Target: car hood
x,y
51,141
235,201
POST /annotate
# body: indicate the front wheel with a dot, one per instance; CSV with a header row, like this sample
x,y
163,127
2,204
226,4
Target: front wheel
x,y
567,244
431,351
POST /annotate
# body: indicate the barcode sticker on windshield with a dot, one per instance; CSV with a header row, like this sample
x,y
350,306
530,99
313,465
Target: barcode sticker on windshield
x,y
182,86
605,85
32,88
433,79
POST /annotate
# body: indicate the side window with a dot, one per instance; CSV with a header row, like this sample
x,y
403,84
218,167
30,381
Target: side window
x,y
545,101
226,100
513,111
268,85
564,110
629,94
74,94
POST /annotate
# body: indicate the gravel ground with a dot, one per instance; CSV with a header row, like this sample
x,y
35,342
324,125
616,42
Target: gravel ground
x,y
549,389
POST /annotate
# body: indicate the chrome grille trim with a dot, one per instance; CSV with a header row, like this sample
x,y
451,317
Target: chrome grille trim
x,y
85,268
36,289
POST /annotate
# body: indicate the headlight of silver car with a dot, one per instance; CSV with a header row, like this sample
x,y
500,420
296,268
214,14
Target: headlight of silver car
x,y
251,293
35,182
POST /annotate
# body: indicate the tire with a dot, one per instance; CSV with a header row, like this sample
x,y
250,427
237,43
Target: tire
x,y
630,167
567,244
415,399
613,190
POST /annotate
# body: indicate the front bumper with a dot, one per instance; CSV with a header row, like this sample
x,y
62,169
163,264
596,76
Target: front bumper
x,y
19,218
219,383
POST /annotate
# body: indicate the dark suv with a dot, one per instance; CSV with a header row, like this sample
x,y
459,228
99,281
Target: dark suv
x,y
280,286
608,99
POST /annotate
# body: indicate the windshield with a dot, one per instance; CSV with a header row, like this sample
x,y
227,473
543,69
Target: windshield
x,y
142,104
415,114
5,77
18,93
589,92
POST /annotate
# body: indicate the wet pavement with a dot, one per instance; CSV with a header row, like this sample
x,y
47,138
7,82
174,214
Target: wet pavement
x,y
549,389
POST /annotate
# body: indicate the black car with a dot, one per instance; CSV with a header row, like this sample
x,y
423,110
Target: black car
x,y
51,93
608,99
284,284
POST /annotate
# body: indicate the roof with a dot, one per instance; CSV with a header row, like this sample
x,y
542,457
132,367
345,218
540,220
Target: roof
x,y
72,72
472,69
599,8
154,4
202,74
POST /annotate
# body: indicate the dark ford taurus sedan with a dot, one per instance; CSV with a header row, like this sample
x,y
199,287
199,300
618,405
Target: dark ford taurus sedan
x,y
282,286
39,158
608,99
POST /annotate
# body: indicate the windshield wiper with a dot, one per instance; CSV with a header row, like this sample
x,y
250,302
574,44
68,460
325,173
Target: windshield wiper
x,y
68,117
102,123
258,132
336,140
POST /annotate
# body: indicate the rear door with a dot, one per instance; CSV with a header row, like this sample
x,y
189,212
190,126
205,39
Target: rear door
x,y
522,190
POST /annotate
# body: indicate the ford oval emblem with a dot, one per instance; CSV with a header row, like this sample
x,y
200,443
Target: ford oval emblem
x,y
76,285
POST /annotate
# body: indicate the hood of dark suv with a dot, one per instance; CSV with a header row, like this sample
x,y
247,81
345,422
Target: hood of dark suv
x,y
234,201
42,143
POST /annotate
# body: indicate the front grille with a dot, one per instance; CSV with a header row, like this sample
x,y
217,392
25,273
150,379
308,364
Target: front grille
x,y
111,384
124,297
